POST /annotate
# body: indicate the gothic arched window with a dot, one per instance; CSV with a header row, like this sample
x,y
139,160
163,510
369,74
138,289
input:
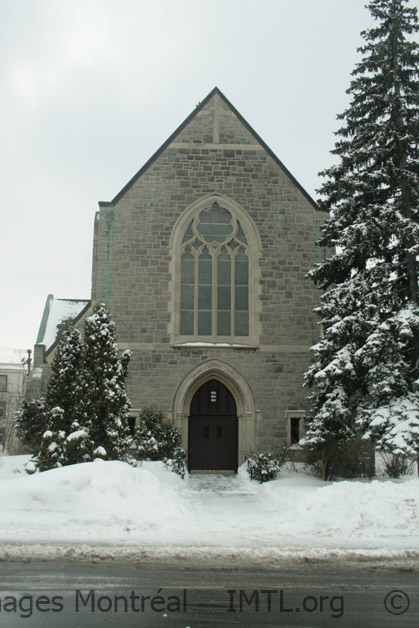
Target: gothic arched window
x,y
214,276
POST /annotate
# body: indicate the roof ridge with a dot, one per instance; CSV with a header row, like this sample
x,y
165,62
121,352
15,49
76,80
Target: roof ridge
x,y
180,128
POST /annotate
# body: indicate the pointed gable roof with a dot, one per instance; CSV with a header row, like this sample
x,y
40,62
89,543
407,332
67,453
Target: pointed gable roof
x,y
180,128
56,312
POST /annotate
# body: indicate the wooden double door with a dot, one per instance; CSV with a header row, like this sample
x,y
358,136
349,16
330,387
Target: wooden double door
x,y
213,429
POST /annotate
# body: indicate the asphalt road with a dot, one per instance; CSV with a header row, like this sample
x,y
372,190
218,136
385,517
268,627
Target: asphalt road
x,y
114,595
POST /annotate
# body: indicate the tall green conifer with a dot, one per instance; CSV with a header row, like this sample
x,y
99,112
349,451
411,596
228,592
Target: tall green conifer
x,y
365,376
62,396
63,390
103,407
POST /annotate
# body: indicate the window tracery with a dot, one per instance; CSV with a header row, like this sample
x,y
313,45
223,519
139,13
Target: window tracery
x,y
214,286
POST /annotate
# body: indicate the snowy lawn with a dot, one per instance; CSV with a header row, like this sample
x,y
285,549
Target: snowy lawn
x,y
112,510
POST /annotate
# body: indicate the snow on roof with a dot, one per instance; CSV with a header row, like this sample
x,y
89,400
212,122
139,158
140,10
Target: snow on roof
x,y
55,313
8,366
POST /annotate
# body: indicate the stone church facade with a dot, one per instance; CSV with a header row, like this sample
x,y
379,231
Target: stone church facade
x,y
201,259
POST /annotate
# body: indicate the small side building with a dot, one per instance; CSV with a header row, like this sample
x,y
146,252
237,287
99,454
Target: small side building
x,y
56,313
13,379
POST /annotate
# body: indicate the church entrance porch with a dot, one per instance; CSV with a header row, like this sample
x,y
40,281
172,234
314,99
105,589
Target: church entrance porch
x,y
213,430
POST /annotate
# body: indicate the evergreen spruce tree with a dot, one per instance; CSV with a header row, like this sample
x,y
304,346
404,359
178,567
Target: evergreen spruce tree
x,y
52,452
155,438
62,396
63,390
103,405
366,370
78,445
30,423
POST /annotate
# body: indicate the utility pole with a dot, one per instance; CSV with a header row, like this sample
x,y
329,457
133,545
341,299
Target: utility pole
x,y
29,360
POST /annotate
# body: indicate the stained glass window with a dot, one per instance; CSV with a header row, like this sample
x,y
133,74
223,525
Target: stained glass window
x,y
204,293
187,290
224,293
214,287
241,288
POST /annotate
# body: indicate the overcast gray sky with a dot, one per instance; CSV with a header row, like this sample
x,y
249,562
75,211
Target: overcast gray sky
x,y
91,88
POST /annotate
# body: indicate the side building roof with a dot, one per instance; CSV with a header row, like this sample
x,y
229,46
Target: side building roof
x,y
56,312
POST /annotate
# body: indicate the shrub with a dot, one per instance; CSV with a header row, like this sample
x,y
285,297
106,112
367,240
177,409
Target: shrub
x,y
396,465
330,459
30,422
177,463
156,439
265,467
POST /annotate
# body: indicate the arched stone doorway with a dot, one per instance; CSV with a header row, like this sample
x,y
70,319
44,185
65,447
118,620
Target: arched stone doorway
x,y
213,429
237,384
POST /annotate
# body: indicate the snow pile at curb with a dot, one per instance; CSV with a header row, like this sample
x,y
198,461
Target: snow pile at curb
x,y
110,510
348,509
12,466
95,501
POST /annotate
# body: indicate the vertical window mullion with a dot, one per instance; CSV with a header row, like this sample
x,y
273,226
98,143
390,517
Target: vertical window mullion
x,y
233,294
214,292
195,308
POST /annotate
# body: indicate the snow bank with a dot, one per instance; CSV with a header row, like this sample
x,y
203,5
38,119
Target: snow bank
x,y
12,466
102,487
98,501
112,510
357,512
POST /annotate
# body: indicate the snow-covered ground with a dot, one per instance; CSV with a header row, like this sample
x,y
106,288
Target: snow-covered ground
x,y
112,510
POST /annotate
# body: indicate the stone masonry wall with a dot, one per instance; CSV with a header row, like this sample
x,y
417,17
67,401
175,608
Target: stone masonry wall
x,y
214,153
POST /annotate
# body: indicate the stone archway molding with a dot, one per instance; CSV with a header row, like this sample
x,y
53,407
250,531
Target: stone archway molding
x,y
247,413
